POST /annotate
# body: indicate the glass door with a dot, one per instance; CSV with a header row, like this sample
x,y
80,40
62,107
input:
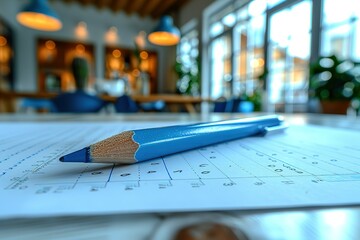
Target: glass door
x,y
289,40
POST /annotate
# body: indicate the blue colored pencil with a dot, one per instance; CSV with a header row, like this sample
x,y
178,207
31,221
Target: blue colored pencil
x,y
145,144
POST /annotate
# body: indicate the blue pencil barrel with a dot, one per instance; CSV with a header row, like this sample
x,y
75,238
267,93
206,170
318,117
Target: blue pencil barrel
x,y
163,141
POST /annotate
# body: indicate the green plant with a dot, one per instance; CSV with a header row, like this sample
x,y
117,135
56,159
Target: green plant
x,y
334,79
80,70
255,98
188,77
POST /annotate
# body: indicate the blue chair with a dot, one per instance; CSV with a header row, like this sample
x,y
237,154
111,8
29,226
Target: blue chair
x,y
233,105
220,106
78,102
155,106
39,105
125,104
226,105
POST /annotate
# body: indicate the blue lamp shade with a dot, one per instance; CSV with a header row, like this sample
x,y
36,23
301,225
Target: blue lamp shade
x,y
38,15
165,34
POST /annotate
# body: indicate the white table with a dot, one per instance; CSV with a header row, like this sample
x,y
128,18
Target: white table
x,y
303,223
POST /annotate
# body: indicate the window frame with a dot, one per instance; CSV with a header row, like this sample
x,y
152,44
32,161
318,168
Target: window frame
x,y
316,35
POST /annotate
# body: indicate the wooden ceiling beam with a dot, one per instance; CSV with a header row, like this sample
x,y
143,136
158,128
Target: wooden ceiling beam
x,y
179,4
86,2
134,6
126,8
176,6
149,7
118,5
153,8
162,8
102,3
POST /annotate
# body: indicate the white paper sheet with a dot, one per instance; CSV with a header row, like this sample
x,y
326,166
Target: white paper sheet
x,y
305,166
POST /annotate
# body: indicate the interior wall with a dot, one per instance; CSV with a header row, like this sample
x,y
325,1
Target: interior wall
x,y
98,22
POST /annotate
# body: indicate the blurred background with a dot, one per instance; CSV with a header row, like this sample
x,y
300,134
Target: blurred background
x,y
181,56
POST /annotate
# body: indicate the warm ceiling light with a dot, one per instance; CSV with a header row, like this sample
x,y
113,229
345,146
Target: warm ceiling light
x,y
81,31
165,34
80,49
38,15
3,41
116,53
50,45
140,40
144,55
111,36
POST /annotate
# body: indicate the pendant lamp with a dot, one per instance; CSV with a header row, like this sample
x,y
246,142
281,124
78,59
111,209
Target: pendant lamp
x,y
38,15
165,34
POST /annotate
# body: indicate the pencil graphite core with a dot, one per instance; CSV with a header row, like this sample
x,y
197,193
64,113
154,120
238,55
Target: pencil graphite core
x,y
119,148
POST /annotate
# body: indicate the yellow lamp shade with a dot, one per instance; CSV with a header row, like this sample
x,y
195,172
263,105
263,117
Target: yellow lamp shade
x,y
165,34
163,38
38,15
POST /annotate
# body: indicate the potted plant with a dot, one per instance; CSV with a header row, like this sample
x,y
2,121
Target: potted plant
x,y
80,70
188,78
334,82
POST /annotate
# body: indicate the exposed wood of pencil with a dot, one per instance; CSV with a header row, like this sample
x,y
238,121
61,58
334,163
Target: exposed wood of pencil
x,y
119,148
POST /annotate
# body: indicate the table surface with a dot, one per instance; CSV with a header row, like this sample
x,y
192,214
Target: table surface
x,y
297,223
170,99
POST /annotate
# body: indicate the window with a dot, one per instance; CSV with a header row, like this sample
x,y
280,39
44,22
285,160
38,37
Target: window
x,y
187,62
341,29
250,38
289,55
237,49
221,70
249,47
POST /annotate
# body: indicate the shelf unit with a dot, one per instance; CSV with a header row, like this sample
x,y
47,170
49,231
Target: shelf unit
x,y
132,63
54,59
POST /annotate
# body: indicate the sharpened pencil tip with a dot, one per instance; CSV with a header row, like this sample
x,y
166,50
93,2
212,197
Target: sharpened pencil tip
x,y
77,156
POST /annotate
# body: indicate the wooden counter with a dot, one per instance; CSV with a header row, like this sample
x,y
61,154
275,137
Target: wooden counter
x,y
173,101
